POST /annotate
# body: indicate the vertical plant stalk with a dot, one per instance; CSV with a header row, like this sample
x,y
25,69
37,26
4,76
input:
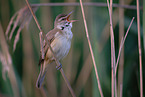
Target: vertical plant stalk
x,y
41,43
121,62
57,62
105,35
120,48
113,60
112,48
139,49
92,54
144,24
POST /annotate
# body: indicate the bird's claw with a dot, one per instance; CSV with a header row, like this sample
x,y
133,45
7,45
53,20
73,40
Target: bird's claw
x,y
59,67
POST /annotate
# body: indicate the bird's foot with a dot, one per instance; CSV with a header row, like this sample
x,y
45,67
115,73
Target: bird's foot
x,y
59,67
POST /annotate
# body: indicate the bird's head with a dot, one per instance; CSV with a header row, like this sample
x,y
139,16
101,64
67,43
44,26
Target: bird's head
x,y
62,21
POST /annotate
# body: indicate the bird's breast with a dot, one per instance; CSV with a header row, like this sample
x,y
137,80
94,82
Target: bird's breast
x,y
60,45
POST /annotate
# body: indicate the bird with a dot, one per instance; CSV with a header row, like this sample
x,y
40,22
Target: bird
x,y
60,40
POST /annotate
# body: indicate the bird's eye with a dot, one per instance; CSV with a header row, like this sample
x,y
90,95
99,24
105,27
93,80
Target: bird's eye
x,y
63,19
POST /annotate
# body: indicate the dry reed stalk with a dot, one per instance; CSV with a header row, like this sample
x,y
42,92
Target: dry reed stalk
x,y
119,54
122,41
113,73
113,81
47,21
144,24
105,35
91,51
139,49
41,43
57,62
113,52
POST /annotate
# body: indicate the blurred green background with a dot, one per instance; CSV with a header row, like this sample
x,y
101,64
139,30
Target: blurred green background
x,y
23,72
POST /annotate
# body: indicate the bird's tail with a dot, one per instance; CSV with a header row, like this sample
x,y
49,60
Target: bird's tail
x,y
41,75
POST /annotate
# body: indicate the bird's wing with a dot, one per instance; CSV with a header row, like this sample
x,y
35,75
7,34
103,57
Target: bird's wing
x,y
50,37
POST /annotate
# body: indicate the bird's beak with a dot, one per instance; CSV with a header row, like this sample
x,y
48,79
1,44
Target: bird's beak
x,y
69,16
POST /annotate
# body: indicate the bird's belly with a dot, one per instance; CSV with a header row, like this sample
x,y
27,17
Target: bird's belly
x,y
60,46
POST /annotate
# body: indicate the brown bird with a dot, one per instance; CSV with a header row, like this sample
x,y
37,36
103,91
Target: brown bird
x,y
60,40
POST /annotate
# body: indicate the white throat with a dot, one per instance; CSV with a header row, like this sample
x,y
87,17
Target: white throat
x,y
67,31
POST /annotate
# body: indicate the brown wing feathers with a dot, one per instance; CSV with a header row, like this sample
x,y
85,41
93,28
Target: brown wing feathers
x,y
50,37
